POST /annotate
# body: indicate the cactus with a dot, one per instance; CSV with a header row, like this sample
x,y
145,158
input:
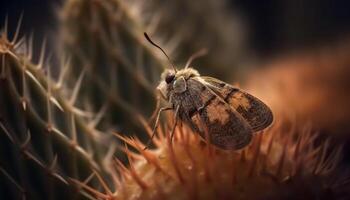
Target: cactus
x,y
280,163
44,139
102,38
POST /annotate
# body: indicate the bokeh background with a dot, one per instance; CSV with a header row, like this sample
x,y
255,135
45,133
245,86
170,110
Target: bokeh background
x,y
274,26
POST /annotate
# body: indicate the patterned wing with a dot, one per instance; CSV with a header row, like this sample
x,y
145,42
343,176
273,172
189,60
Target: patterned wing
x,y
255,112
211,115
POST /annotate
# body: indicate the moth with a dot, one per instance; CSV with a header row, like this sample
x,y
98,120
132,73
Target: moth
x,y
225,114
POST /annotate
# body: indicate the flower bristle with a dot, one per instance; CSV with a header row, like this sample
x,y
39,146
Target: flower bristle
x,y
277,164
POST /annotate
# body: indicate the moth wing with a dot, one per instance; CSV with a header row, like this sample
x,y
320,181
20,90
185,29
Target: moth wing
x,y
254,111
217,119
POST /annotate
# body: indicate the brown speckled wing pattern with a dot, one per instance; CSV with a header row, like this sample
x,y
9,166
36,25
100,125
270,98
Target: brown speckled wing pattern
x,y
255,112
209,114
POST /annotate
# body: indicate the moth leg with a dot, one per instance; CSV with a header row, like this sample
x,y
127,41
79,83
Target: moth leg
x,y
156,110
175,123
199,109
156,125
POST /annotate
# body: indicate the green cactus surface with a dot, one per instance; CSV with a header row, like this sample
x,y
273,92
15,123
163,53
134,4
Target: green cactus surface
x,y
45,140
122,69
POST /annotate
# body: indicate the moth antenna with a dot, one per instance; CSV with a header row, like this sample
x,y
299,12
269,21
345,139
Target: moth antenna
x,y
198,54
154,44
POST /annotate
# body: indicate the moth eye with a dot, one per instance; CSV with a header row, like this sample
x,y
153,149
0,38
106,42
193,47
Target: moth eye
x,y
169,78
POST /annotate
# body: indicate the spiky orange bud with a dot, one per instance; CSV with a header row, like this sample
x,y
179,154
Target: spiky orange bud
x,y
277,164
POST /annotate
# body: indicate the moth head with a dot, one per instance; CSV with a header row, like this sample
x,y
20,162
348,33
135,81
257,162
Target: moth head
x,y
168,76
173,80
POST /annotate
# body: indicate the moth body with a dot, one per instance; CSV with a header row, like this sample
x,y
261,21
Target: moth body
x,y
214,108
222,114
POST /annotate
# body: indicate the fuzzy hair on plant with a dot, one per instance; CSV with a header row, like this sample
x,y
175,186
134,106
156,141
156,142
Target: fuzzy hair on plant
x,y
280,163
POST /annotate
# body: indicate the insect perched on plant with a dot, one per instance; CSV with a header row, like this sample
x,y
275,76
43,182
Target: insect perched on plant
x,y
213,108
